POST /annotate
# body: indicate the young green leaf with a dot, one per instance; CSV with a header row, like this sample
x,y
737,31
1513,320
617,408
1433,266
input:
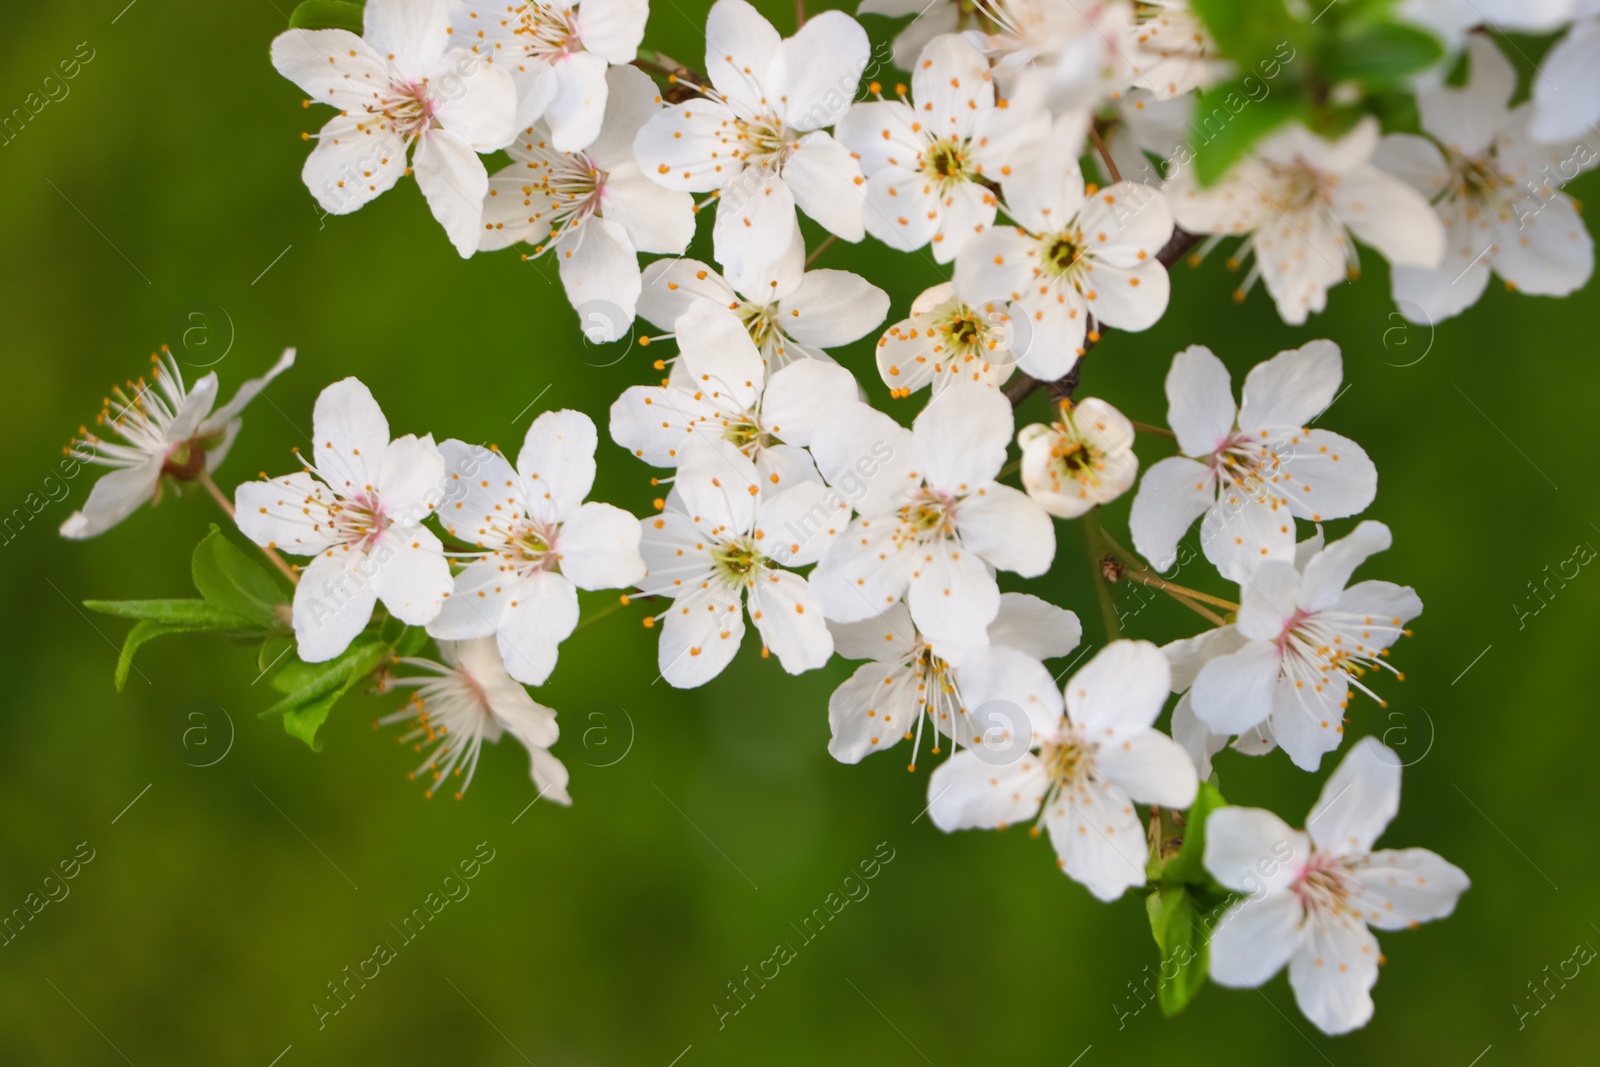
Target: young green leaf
x,y
232,581
1185,951
1380,57
328,15
192,614
314,688
1227,124
1248,32
143,631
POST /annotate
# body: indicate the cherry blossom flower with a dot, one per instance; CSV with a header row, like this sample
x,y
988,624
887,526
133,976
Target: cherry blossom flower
x,y
1188,656
1298,200
934,523
358,507
790,313
926,160
557,53
718,390
592,208
721,546
1249,470
886,699
1308,641
169,432
1076,254
1174,54
467,700
757,138
1084,776
1495,190
536,542
1083,459
1314,893
397,86
948,340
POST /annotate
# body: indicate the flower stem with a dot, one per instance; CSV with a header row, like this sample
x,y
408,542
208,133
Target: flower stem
x,y
1095,540
1105,153
227,505
617,606
827,242
1155,581
1159,431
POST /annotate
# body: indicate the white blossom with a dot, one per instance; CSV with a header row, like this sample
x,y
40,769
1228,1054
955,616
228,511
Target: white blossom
x,y
947,340
1307,642
467,700
399,85
1313,894
557,53
908,684
591,208
1250,469
1496,191
358,507
535,540
790,313
1298,200
1085,775
718,390
1083,459
168,431
758,137
934,523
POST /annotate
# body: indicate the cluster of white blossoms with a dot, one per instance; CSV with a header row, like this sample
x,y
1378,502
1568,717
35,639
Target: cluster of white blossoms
x,y
794,506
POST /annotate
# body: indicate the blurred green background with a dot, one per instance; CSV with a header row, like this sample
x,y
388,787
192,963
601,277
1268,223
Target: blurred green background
x,y
218,906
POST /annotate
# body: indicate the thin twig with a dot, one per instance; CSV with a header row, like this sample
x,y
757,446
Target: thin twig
x,y
1155,581
1093,538
1159,431
227,505
816,253
1105,153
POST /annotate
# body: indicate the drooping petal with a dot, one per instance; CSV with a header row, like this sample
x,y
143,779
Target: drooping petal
x,y
1254,939
1172,494
1118,694
1098,838
790,622
542,614
699,635
557,459
966,793
600,272
1358,800
1200,405
452,178
1233,693
599,548
1035,626
332,604
1333,973
1400,888
118,494
1007,528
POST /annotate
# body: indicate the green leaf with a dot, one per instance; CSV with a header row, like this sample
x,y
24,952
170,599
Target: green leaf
x,y
1185,950
1227,124
144,631
328,15
192,614
1188,866
232,581
1247,32
314,688
1380,56
410,641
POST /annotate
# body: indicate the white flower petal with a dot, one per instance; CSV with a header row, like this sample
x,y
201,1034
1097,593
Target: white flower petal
x,y
557,459
1233,693
543,614
1099,839
599,548
1172,494
332,604
1333,973
1254,939
1035,626
1118,694
966,793
1200,406
1358,800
